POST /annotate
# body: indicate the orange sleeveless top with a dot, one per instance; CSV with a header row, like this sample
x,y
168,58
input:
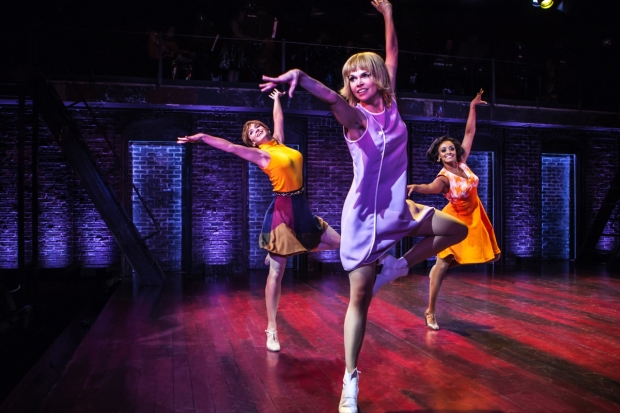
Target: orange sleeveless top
x,y
285,169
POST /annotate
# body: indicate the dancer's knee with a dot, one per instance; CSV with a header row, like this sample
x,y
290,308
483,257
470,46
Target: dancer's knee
x,y
361,281
443,264
275,274
360,298
460,231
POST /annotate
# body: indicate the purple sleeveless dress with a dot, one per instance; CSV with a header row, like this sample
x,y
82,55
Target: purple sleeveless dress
x,y
377,213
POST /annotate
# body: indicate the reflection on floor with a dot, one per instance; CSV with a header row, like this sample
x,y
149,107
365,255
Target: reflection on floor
x,y
541,340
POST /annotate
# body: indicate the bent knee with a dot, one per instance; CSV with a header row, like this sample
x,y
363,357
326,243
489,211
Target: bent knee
x,y
461,231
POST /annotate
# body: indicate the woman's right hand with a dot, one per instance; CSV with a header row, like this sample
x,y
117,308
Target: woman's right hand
x,y
411,188
291,78
190,139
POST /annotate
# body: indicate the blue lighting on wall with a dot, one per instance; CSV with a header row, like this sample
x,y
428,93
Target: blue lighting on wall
x,y
558,202
157,173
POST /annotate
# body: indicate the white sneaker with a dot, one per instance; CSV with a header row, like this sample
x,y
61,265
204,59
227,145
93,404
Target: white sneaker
x,y
348,399
272,341
393,268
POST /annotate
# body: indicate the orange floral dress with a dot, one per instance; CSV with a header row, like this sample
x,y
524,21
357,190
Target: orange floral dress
x,y
480,245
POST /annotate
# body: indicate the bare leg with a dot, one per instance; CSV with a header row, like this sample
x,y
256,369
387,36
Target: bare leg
x,y
330,240
440,230
437,273
362,281
273,289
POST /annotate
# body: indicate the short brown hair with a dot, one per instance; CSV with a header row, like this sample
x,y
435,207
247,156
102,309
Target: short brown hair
x,y
246,127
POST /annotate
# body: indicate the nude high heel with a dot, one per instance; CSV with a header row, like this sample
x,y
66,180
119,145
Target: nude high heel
x,y
431,321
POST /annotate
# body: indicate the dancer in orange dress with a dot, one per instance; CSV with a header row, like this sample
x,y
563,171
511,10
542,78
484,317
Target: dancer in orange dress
x,y
460,186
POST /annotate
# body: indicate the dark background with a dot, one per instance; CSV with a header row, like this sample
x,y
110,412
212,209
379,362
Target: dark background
x,y
423,25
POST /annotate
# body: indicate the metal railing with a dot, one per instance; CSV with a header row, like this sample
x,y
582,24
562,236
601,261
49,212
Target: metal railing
x,y
153,55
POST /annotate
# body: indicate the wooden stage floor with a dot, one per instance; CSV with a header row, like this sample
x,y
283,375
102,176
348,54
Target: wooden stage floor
x,y
541,340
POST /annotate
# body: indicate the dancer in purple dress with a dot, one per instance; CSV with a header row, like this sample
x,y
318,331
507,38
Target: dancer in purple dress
x,y
376,213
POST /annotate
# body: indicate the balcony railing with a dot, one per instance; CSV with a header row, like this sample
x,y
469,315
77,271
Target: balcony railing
x,y
154,57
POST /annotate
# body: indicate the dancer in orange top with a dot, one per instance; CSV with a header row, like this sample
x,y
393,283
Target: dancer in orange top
x,y
289,227
460,186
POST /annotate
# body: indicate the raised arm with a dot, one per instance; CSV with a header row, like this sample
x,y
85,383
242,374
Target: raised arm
x,y
439,185
347,115
470,127
391,41
278,116
254,155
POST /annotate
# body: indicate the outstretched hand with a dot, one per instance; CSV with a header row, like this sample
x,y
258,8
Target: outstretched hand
x,y
189,139
382,6
411,189
291,78
478,99
275,94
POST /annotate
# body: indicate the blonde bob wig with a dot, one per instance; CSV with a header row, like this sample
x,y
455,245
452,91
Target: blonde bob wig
x,y
374,64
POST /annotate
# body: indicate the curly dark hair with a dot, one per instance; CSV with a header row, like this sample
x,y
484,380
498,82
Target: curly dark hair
x,y
432,154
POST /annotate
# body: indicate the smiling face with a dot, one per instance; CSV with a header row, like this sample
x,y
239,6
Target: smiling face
x,y
362,85
447,152
255,133
365,77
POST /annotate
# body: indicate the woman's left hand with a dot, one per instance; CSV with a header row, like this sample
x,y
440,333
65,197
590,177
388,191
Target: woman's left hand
x,y
275,94
478,99
411,189
382,5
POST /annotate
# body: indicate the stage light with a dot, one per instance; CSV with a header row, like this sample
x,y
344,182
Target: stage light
x,y
543,4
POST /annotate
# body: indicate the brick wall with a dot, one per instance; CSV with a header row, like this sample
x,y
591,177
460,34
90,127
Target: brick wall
x,y
601,159
218,196
71,231
556,201
8,189
94,245
329,175
522,199
156,170
230,196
